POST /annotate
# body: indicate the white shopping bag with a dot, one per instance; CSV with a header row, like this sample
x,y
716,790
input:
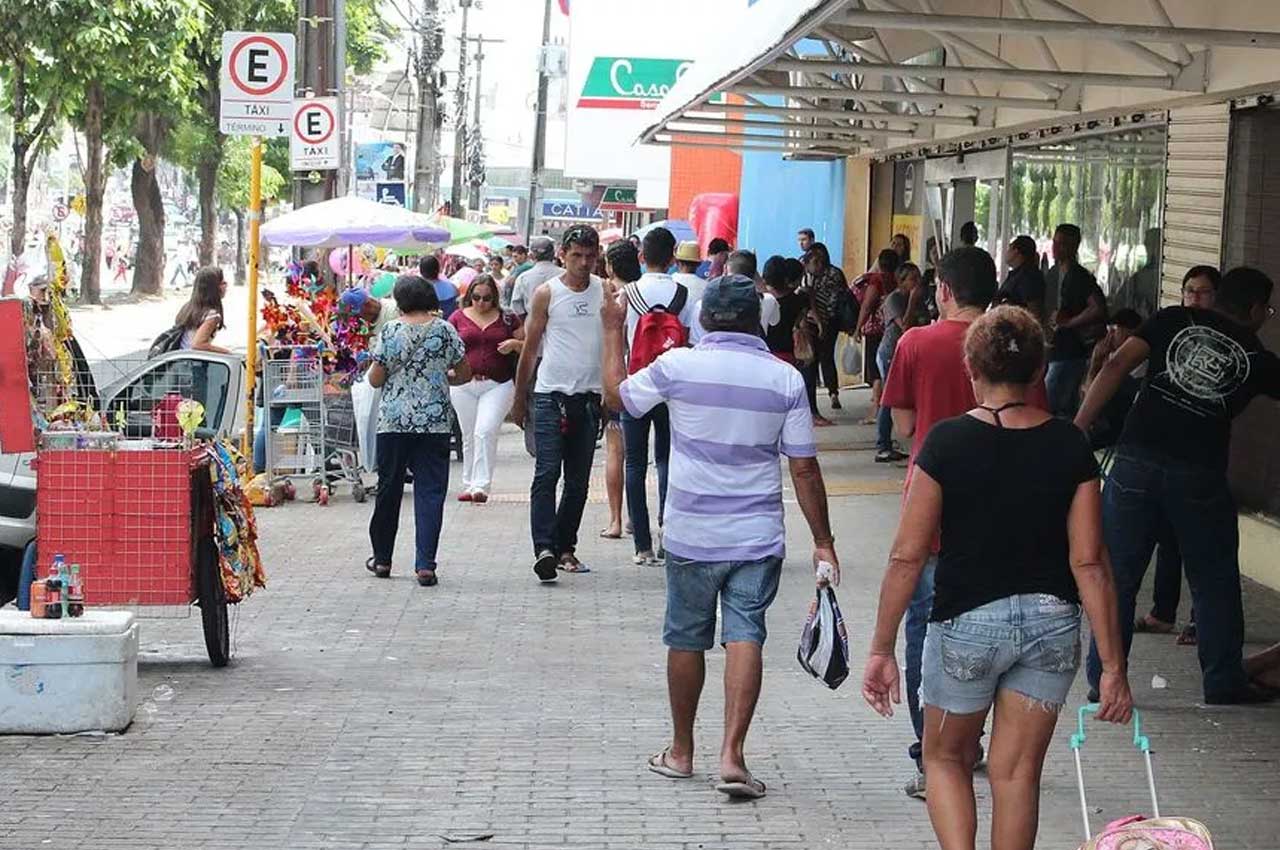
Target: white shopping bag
x,y
365,399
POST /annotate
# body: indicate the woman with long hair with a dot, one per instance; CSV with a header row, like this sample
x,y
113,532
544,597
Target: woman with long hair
x,y
415,359
493,339
1015,494
781,277
622,264
825,282
202,317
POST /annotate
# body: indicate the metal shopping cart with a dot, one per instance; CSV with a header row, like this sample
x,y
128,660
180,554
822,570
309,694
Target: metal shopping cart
x,y
312,432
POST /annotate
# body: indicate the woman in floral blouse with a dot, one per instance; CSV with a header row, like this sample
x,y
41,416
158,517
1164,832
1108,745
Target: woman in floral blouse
x,y
416,358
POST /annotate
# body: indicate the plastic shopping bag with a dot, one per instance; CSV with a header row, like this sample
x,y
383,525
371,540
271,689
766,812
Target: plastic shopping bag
x,y
824,643
851,358
365,400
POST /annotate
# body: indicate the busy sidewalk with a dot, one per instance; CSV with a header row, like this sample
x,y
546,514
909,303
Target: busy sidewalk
x,y
367,714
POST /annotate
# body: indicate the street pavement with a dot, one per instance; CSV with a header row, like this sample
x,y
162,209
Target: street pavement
x,y
361,713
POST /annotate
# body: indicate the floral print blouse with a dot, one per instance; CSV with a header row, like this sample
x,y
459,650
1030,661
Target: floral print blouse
x,y
415,398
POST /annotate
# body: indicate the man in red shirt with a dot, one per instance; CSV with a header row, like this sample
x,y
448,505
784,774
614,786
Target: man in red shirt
x,y
926,384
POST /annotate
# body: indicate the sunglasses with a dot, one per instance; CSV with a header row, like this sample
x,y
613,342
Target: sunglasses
x,y
489,299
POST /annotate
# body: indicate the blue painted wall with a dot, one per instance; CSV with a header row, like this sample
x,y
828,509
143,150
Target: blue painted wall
x,y
779,197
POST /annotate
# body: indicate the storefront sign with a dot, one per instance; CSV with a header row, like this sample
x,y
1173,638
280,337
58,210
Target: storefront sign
x,y
570,211
618,198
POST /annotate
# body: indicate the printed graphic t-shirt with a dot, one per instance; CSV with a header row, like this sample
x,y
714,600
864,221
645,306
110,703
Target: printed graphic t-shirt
x,y
1202,371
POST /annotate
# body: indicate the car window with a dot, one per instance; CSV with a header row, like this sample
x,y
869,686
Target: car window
x,y
186,378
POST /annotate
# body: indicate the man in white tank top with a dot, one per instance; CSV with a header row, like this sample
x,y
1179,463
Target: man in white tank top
x,y
563,327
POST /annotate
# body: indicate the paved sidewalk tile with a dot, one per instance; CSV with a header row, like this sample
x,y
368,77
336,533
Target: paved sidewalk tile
x,y
361,713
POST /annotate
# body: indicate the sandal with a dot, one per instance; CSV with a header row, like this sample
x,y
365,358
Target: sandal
x,y
383,571
1151,625
1187,637
658,764
609,535
572,565
743,789
427,578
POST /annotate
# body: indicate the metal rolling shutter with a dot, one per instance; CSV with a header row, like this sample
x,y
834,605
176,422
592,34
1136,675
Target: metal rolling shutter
x,y
1195,189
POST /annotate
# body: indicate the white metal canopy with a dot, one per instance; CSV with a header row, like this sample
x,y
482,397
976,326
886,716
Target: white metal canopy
x,y
812,77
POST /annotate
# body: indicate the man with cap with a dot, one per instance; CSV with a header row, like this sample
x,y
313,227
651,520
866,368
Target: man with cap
x,y
542,250
734,409
376,312
688,260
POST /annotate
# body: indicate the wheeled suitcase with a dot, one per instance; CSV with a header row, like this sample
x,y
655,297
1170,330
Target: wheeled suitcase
x,y
1137,832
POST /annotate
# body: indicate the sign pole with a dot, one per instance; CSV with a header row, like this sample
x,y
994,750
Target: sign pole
x,y
251,352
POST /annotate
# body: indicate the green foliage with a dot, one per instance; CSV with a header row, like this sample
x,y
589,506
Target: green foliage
x,y
367,35
234,173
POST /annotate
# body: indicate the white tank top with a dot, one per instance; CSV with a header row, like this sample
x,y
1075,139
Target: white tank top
x,y
572,343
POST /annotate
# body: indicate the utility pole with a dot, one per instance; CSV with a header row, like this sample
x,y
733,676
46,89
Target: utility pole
x,y
430,43
322,64
540,128
460,119
477,169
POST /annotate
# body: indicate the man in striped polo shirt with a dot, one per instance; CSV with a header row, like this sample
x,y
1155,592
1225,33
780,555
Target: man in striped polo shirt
x,y
735,409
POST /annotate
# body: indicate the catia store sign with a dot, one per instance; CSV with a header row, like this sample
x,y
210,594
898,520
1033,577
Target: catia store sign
x,y
630,83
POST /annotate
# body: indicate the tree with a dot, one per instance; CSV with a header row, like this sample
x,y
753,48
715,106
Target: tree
x,y
233,189
34,98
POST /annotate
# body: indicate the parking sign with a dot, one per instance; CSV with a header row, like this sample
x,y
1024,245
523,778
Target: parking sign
x,y
257,83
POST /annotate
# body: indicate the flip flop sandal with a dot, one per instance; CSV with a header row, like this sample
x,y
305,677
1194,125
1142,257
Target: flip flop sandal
x,y
607,536
380,572
748,789
658,764
1187,637
1149,625
579,567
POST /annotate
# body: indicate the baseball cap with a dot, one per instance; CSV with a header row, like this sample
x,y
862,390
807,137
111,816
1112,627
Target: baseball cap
x,y
542,248
688,252
352,301
731,298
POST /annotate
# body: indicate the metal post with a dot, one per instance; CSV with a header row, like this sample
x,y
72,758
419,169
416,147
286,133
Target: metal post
x,y
320,61
339,90
251,348
424,159
540,129
480,42
460,120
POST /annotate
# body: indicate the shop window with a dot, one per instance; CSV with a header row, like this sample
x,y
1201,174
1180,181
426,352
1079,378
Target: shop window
x,y
1111,187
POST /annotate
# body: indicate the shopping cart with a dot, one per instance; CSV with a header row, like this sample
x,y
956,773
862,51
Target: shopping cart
x,y
312,432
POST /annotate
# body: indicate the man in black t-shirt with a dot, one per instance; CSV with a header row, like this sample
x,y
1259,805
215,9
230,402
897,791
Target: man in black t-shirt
x,y
1079,321
1203,369
1024,287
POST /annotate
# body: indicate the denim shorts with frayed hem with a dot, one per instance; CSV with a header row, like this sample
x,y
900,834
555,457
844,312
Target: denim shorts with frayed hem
x,y
743,589
1029,644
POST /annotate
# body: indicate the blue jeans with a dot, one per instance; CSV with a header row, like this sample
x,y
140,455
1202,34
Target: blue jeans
x,y
565,431
427,456
884,416
743,590
917,625
1062,384
260,438
635,438
1144,491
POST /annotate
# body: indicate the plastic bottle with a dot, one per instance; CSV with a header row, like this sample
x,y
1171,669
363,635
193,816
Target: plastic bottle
x,y
75,593
64,578
53,590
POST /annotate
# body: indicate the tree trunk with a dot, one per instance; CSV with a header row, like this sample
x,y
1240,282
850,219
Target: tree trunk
x,y
241,278
95,186
207,174
148,263
18,238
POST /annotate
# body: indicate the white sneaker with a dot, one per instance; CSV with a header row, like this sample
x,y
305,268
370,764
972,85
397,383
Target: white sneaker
x,y
644,559
915,788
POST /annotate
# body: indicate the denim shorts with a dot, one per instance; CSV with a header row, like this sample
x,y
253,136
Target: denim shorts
x,y
744,590
1029,644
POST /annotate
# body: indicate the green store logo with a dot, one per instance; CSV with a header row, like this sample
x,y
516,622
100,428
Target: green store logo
x,y
630,83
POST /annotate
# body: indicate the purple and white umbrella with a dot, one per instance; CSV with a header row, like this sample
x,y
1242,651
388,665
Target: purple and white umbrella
x,y
354,221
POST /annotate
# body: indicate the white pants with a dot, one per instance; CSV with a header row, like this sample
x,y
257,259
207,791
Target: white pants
x,y
482,406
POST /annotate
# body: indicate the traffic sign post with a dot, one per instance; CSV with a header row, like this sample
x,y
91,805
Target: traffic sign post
x,y
314,139
251,349
257,83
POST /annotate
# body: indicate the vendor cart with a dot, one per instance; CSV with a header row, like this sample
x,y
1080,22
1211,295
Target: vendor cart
x,y
140,523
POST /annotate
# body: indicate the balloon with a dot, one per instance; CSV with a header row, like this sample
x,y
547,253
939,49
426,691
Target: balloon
x,y
338,261
383,285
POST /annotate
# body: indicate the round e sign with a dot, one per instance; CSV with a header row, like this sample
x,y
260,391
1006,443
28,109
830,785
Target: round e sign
x,y
259,65
314,123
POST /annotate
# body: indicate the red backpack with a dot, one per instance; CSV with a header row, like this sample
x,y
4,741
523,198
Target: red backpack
x,y
658,330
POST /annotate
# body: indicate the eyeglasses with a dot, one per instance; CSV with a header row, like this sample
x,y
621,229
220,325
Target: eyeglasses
x,y
483,299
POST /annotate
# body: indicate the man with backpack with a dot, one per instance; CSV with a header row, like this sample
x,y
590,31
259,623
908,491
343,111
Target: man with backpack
x,y
659,313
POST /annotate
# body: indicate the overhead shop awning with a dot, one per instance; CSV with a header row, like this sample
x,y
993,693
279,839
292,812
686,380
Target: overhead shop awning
x,y
831,78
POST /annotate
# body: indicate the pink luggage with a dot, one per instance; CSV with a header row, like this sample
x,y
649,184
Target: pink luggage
x,y
1137,832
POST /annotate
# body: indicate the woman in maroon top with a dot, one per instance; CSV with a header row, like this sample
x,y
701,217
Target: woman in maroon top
x,y
493,340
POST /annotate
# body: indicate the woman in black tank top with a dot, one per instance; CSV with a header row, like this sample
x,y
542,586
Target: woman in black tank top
x,y
1015,496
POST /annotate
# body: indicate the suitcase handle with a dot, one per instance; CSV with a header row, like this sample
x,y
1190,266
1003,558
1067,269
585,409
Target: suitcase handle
x,y
1140,741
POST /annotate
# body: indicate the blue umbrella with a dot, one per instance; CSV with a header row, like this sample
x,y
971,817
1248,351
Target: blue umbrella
x,y
682,230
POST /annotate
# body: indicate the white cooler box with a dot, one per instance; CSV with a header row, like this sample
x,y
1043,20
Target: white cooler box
x,y
68,675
